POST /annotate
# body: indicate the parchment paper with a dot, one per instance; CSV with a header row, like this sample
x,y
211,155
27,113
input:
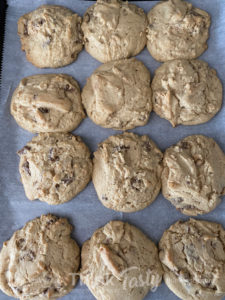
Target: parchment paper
x,y
85,212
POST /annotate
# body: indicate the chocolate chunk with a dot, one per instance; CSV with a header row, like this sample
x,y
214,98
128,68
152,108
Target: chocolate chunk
x,y
52,156
184,145
67,180
147,146
52,221
136,183
26,167
41,21
120,148
104,198
57,186
86,18
24,150
25,32
20,243
45,291
43,110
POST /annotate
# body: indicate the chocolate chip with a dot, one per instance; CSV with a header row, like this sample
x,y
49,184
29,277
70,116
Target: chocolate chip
x,y
52,156
136,183
120,148
67,180
184,145
26,167
45,291
86,40
147,146
25,31
41,22
29,256
86,18
68,88
24,150
43,110
52,221
20,243
104,198
179,200
57,186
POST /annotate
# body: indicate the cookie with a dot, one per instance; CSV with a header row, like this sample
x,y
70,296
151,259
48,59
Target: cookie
x,y
54,167
47,103
193,258
114,29
118,95
40,260
186,92
127,172
193,177
51,36
177,29
120,262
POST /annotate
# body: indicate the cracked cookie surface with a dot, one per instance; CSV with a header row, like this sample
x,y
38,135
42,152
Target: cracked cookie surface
x,y
193,177
114,29
186,92
127,172
47,103
177,30
118,95
117,256
37,262
54,167
51,36
193,257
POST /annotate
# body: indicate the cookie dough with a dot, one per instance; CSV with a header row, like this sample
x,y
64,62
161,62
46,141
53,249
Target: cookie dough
x,y
186,92
54,167
51,36
118,95
39,260
193,177
120,262
47,103
177,30
127,172
193,258
114,29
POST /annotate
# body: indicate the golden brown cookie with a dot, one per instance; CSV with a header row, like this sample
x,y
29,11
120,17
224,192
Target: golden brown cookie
x,y
51,36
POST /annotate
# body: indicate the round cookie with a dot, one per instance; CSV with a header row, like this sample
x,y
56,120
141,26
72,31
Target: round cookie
x,y
177,30
51,36
54,167
39,260
47,103
127,172
193,258
193,177
114,29
118,95
186,92
120,262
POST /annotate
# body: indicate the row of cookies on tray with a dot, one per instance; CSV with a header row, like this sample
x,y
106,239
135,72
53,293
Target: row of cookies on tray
x,y
128,171
52,36
119,95
41,261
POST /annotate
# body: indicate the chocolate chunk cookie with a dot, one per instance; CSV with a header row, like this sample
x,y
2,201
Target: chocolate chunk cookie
x,y
193,258
114,29
186,92
118,95
193,178
47,103
51,36
127,172
177,30
39,260
120,262
54,167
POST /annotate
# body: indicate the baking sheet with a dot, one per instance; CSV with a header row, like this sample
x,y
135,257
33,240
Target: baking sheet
x,y
85,212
